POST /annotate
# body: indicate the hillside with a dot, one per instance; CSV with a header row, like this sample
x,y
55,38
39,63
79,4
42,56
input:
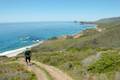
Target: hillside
x,y
93,56
109,20
83,58
109,38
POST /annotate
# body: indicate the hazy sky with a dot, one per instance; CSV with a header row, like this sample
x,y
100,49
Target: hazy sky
x,y
57,10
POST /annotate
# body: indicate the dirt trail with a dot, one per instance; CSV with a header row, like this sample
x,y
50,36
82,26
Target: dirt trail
x,y
40,74
54,72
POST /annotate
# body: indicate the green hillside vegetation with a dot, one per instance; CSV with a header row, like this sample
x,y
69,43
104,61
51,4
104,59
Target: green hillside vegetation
x,y
11,70
109,20
109,61
93,56
69,54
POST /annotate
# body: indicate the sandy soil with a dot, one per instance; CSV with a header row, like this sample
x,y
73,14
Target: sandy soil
x,y
54,72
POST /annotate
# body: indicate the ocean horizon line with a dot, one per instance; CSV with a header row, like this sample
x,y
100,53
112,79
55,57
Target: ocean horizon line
x,y
34,22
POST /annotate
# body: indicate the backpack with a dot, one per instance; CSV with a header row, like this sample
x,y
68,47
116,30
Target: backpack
x,y
27,53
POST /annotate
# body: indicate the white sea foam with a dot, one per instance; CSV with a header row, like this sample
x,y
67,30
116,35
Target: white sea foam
x,y
15,52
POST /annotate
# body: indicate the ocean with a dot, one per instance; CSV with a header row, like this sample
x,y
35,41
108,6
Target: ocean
x,y
17,35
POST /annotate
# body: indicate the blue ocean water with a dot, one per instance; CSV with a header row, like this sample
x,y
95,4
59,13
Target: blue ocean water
x,y
17,35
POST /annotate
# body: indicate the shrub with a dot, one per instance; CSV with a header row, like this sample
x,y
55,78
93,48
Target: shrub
x,y
14,71
53,38
68,65
107,63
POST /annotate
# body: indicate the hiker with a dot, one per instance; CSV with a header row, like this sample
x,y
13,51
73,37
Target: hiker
x,y
27,55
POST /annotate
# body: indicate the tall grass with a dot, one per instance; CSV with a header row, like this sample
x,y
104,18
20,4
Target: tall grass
x,y
11,70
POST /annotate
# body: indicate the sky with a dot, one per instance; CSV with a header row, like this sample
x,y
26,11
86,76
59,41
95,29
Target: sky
x,y
57,10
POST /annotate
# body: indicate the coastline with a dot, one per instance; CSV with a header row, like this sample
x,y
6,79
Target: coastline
x,y
15,52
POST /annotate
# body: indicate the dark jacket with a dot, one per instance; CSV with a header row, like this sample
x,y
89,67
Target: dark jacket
x,y
27,53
